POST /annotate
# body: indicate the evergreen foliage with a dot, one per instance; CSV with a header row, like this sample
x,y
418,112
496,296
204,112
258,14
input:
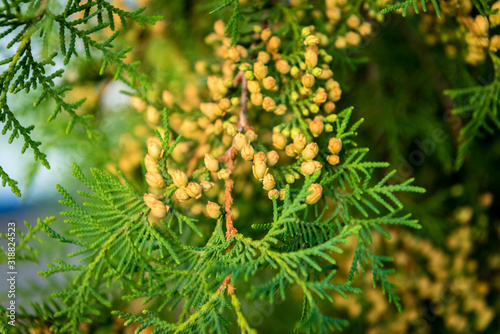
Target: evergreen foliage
x,y
478,102
481,104
232,27
118,244
190,269
405,5
31,25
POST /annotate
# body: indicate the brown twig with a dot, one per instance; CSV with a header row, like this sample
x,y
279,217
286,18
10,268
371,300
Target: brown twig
x,y
228,200
41,10
243,121
230,287
230,157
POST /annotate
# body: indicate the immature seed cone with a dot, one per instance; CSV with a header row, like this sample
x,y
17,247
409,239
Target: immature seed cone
x,y
232,54
326,73
242,51
201,67
213,210
180,178
329,107
320,97
225,104
264,57
206,185
280,110
311,58
272,158
335,145
353,21
308,168
253,86
333,159
211,163
274,44
256,98
168,98
259,70
260,157
308,80
311,40
155,149
310,152
290,151
155,180
279,141
150,200
295,132
268,104
317,72
317,165
235,101
316,127
340,42
283,66
247,152
265,35
335,93
365,29
224,174
151,164
289,178
317,191
259,170
231,129
273,194
269,83
138,103
211,110
299,142
314,108
240,141
251,135
219,27
194,190
182,194
159,209
268,182
352,38
152,115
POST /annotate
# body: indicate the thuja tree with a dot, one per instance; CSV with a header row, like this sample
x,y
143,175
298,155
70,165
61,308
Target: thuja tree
x,y
253,180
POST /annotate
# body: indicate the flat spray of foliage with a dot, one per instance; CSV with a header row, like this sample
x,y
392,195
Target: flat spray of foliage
x,y
118,248
29,27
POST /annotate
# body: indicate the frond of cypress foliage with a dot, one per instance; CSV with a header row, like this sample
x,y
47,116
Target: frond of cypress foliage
x,y
26,24
39,317
405,5
481,102
25,248
39,314
117,243
232,27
